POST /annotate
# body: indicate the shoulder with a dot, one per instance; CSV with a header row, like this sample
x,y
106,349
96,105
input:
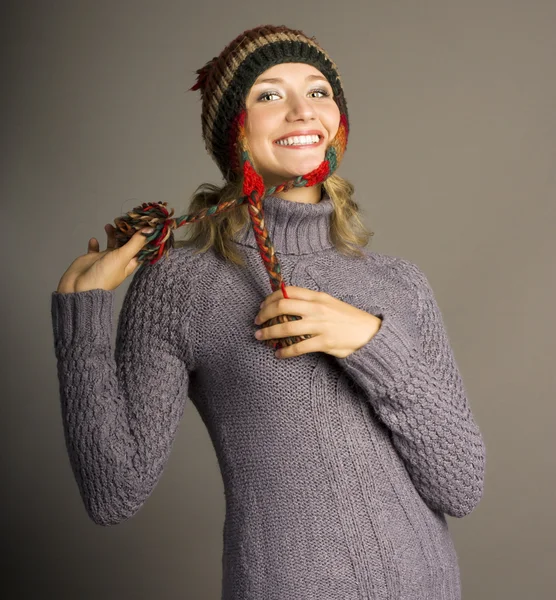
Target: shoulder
x,y
402,272
175,270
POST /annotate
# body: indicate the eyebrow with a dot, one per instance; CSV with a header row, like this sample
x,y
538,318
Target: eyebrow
x,y
279,80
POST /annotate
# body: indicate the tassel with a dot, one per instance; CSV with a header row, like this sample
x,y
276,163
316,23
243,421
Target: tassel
x,y
203,73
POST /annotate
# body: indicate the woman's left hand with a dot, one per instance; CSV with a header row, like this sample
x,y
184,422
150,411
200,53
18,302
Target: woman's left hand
x,y
338,328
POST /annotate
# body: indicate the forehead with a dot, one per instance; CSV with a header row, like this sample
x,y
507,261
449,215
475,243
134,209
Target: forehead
x,y
289,71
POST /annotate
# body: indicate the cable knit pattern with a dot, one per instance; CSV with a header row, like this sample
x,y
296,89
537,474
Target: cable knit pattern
x,y
337,473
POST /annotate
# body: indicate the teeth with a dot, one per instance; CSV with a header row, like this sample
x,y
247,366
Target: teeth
x,y
299,140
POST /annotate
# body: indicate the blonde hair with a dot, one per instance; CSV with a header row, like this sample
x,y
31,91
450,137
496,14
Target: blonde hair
x,y
347,231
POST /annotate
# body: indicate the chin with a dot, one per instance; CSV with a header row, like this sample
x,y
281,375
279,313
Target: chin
x,y
278,177
303,169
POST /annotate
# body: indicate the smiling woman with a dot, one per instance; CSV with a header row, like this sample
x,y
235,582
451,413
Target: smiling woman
x,y
340,462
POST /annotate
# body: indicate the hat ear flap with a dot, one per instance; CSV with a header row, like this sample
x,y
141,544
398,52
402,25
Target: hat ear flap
x,y
237,143
253,184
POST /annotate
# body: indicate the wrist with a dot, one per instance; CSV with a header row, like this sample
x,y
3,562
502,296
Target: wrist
x,y
374,326
376,322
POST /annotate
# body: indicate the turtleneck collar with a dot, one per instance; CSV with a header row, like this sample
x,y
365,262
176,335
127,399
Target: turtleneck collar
x,y
293,227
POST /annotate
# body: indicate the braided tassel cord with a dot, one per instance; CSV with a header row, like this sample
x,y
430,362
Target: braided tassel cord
x,y
156,215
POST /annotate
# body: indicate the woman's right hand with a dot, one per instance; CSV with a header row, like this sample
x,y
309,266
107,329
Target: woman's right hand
x,y
105,270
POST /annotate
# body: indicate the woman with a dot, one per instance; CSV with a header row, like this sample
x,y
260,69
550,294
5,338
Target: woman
x,y
340,461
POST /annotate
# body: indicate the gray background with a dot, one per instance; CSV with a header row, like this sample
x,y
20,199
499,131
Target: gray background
x,y
452,152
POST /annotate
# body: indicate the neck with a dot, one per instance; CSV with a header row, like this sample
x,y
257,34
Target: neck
x,y
305,195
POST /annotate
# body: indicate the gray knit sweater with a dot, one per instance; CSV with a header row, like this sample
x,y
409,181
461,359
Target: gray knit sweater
x,y
337,473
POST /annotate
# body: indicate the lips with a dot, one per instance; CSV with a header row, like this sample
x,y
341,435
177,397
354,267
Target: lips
x,y
300,133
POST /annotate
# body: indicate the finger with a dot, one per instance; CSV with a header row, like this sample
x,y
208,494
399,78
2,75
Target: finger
x,y
111,235
93,246
131,266
292,291
302,347
285,306
276,294
287,329
311,343
134,244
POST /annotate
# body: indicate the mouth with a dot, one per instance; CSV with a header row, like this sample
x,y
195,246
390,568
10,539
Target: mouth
x,y
300,146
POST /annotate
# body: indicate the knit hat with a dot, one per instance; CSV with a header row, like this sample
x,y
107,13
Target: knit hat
x,y
224,83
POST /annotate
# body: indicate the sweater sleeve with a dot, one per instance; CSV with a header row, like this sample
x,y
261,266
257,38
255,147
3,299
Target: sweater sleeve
x,y
409,375
121,412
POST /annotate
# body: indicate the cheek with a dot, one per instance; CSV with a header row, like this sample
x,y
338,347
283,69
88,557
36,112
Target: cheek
x,y
333,119
260,125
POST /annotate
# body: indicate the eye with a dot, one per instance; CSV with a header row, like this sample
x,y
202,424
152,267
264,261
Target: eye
x,y
267,94
322,91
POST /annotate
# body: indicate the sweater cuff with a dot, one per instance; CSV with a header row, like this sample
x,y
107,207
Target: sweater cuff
x,y
387,358
82,316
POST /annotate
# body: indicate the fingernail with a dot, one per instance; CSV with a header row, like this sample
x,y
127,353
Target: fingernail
x,y
147,230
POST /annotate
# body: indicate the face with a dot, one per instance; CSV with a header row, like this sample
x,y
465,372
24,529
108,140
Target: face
x,y
301,100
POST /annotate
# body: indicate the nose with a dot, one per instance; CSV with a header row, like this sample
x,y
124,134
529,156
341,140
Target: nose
x,y
301,108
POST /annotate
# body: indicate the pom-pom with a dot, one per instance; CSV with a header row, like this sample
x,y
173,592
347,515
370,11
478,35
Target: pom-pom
x,y
148,215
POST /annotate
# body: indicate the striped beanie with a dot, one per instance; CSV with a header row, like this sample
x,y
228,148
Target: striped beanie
x,y
224,83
